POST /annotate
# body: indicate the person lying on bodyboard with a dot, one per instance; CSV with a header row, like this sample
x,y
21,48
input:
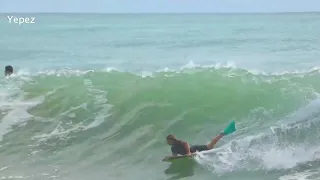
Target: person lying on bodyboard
x,y
182,148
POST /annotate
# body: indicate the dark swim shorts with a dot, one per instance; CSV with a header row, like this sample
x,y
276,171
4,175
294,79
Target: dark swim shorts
x,y
199,148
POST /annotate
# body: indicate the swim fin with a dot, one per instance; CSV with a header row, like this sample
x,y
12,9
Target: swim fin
x,y
230,128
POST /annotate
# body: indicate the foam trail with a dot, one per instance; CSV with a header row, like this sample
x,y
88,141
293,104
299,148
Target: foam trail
x,y
280,149
13,106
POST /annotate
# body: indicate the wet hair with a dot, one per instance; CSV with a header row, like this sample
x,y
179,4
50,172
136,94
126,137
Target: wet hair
x,y
174,138
171,137
8,69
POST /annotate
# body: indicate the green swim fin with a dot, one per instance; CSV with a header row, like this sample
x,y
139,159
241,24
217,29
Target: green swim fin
x,y
230,128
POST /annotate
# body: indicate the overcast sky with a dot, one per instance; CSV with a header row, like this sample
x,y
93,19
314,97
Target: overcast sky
x,y
149,6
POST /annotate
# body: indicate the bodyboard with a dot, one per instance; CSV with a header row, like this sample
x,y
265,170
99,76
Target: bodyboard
x,y
176,158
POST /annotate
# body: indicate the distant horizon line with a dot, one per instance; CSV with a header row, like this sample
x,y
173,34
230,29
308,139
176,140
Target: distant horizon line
x,y
137,13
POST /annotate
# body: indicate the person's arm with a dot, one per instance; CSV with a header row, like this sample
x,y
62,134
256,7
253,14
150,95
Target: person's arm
x,y
173,152
187,148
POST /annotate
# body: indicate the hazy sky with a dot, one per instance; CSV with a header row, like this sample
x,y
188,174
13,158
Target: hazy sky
x,y
144,6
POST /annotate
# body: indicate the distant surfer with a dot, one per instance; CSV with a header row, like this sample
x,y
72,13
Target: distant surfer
x,y
180,147
8,70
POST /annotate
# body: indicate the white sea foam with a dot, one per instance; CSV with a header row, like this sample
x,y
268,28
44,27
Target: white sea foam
x,y
267,150
13,106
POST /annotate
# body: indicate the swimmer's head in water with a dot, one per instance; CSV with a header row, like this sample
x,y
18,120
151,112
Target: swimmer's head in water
x,y
8,70
171,139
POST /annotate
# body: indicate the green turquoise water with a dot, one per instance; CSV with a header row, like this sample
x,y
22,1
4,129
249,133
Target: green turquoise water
x,y
93,96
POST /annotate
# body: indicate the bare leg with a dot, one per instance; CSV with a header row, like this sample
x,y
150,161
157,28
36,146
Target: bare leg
x,y
214,141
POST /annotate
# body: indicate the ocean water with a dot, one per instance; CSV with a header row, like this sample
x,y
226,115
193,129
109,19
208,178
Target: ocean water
x,y
94,95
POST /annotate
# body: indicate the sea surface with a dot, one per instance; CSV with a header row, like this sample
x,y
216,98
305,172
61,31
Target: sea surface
x,y
93,96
